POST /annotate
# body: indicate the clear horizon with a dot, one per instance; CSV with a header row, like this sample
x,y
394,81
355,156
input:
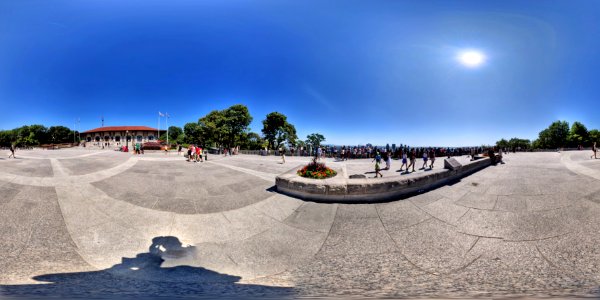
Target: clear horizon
x,y
357,72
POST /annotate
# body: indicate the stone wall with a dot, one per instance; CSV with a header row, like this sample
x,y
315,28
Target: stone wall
x,y
341,189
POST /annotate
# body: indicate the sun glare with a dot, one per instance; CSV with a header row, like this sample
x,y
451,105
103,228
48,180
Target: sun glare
x,y
471,58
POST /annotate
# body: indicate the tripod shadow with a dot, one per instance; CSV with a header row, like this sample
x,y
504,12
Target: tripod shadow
x,y
143,277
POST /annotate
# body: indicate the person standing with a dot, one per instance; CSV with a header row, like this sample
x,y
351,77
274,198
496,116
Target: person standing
x,y
595,150
199,154
319,152
388,160
12,151
424,159
432,157
282,152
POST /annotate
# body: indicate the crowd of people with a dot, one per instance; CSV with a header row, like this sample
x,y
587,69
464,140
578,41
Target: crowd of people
x,y
195,153
357,152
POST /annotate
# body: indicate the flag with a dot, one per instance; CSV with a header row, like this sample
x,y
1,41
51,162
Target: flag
x,y
160,114
167,114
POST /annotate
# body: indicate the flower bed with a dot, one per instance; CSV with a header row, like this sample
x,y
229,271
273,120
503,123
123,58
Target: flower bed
x,y
316,170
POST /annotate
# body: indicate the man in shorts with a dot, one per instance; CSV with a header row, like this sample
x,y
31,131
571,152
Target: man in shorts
x,y
12,151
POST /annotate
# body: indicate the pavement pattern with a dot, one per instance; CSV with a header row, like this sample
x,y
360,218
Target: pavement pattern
x,y
81,223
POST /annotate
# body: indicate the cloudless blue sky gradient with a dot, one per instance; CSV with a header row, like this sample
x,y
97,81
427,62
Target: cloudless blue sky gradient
x,y
355,71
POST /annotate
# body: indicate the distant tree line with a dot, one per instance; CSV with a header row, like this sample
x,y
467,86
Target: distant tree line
x,y
230,128
557,135
225,128
34,135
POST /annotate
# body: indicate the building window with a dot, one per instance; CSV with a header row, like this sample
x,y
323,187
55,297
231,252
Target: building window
x,y
117,138
139,138
89,139
151,138
106,138
97,138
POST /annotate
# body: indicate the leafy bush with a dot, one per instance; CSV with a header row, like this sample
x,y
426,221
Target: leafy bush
x,y
316,170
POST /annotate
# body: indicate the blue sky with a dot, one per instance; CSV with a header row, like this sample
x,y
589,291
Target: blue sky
x,y
355,71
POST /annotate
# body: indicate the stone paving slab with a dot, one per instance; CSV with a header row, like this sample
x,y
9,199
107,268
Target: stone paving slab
x,y
528,228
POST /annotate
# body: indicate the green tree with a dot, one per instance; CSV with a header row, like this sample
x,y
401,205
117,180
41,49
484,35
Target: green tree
x,y
7,137
38,134
594,136
213,130
555,136
253,141
59,134
578,135
191,133
314,140
174,133
237,118
276,130
519,143
502,143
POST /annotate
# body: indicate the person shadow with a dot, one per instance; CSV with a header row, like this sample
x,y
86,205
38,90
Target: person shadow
x,y
144,277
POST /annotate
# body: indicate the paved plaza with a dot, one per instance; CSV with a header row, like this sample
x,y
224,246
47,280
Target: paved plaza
x,y
80,223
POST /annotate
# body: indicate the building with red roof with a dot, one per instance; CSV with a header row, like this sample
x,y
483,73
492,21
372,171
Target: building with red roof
x,y
117,135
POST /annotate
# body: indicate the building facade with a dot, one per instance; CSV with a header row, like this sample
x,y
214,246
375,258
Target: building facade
x,y
119,135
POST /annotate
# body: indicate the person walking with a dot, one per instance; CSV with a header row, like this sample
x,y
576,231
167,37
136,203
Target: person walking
x,y
404,161
431,157
12,151
413,158
282,153
424,159
377,157
595,150
377,160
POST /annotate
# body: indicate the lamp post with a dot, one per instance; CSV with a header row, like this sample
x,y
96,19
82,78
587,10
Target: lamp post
x,y
127,140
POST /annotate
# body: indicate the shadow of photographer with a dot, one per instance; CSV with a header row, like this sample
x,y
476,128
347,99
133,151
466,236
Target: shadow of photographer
x,y
144,276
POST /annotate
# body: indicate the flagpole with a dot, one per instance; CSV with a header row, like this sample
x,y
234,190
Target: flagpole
x,y
167,125
158,132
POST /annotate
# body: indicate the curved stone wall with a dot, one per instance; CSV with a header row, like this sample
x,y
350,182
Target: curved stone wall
x,y
342,189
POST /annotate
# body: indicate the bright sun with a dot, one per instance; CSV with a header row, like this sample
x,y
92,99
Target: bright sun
x,y
471,58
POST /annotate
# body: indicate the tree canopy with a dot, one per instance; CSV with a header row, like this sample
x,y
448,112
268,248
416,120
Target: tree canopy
x,y
557,135
220,128
578,135
276,130
314,140
33,135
